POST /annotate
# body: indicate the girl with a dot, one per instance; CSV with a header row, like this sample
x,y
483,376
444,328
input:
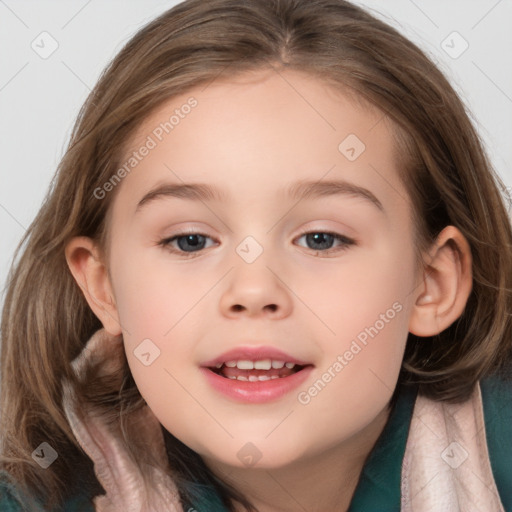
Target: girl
x,y
273,274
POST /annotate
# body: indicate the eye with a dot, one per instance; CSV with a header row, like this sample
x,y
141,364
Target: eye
x,y
322,240
188,243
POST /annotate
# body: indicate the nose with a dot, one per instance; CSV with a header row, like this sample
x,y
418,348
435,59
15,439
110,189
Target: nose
x,y
256,290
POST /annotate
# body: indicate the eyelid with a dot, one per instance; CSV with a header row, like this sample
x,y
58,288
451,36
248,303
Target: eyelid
x,y
333,232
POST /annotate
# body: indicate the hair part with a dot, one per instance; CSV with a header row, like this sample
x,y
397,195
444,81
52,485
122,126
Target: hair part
x,y
46,320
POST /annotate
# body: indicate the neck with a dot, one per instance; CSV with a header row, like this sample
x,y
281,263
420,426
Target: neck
x,y
323,481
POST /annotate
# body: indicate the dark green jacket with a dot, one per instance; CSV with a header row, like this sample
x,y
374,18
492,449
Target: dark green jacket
x,y
378,489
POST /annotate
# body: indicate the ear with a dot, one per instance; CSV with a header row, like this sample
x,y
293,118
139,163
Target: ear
x,y
447,283
90,272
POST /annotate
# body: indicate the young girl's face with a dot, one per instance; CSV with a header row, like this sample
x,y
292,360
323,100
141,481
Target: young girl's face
x,y
253,279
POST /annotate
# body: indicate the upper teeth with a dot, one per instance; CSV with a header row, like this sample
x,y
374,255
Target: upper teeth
x,y
262,364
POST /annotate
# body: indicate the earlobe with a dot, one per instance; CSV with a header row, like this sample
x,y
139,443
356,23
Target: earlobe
x,y
90,272
447,282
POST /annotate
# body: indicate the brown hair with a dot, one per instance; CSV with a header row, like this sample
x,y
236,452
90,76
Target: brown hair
x,y
46,320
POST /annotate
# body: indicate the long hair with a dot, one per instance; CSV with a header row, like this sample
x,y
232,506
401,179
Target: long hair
x,y
46,320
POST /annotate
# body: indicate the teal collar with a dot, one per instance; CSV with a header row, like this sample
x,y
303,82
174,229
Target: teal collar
x,y
378,489
497,405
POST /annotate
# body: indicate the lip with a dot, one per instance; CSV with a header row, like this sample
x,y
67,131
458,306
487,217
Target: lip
x,y
254,354
259,391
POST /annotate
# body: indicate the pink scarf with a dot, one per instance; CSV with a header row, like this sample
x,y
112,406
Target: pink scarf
x,y
115,470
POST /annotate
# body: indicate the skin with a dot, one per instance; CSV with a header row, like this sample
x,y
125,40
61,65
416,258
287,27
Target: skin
x,y
254,136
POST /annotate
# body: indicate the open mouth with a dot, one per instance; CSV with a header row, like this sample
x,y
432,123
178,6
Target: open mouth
x,y
256,381
254,371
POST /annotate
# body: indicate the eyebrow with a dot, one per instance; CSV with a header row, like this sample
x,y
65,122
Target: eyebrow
x,y
297,191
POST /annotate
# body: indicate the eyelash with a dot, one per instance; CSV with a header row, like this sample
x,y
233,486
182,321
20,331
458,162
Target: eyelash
x,y
165,243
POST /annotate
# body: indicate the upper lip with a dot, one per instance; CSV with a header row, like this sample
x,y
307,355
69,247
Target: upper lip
x,y
254,354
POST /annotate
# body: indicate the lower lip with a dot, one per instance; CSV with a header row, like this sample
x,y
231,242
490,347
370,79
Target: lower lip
x,y
259,391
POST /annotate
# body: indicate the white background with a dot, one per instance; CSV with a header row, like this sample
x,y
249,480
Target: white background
x,y
39,98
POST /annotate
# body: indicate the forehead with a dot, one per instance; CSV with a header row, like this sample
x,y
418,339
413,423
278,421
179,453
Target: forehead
x,y
259,133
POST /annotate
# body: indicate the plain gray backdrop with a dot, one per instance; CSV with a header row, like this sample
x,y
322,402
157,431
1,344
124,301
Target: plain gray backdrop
x,y
52,52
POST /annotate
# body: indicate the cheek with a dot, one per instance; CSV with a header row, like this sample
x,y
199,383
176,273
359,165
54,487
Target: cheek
x,y
159,306
152,294
364,308
351,295
367,312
